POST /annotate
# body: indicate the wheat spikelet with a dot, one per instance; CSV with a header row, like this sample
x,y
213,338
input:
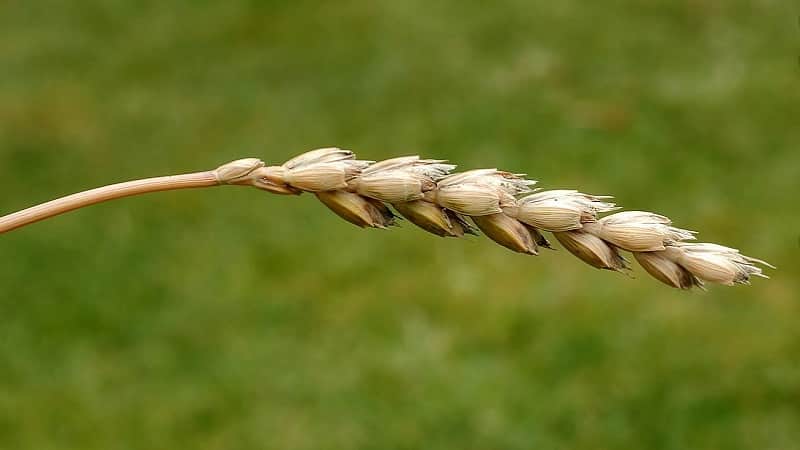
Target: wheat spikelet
x,y
503,205
561,210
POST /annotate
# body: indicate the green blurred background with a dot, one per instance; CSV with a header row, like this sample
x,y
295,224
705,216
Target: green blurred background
x,y
230,318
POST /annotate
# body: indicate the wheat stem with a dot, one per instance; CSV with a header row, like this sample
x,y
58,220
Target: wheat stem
x,y
105,193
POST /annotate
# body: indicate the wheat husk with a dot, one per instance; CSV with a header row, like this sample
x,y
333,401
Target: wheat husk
x,y
561,210
508,232
666,271
592,250
358,210
430,217
638,231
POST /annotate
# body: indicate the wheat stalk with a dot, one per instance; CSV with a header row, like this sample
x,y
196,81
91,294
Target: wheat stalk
x,y
503,205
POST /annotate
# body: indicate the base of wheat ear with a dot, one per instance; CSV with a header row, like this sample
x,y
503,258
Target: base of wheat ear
x,y
504,206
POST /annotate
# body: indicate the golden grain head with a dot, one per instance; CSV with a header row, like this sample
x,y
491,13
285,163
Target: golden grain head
x,y
501,204
667,271
358,210
508,232
592,250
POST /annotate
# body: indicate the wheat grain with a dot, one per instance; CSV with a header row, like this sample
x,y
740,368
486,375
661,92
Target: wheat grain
x,y
503,205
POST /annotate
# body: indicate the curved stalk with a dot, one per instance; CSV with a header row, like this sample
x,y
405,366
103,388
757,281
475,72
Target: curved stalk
x,y
242,172
105,193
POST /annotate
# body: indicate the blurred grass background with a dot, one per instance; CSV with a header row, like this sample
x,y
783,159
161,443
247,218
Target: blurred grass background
x,y
228,318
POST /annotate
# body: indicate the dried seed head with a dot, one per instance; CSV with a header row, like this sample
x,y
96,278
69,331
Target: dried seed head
x,y
508,232
358,210
561,210
320,170
667,271
716,263
481,192
592,250
432,218
638,231
503,205
235,171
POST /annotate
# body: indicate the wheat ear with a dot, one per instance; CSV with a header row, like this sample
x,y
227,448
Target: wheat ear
x,y
503,205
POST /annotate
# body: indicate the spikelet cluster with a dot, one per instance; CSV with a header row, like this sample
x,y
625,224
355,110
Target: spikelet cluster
x,y
505,207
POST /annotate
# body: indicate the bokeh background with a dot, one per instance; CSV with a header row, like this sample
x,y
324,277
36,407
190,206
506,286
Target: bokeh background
x,y
229,318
